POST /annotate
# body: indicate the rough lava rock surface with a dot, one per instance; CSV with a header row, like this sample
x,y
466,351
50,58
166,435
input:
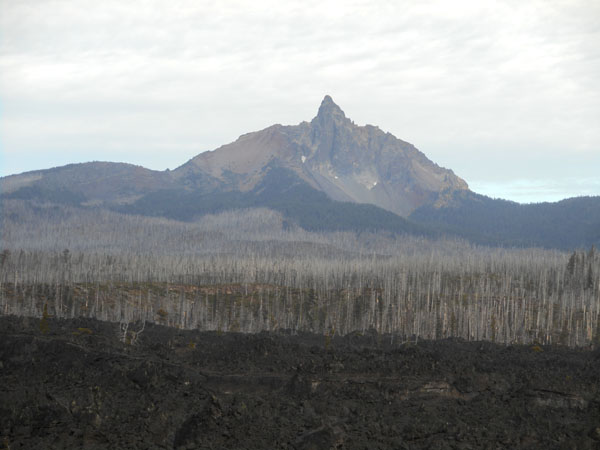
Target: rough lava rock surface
x,y
78,386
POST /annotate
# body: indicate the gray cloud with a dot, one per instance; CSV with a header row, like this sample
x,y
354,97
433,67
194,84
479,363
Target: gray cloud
x,y
497,91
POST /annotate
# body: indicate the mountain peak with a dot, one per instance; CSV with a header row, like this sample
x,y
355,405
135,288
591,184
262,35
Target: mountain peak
x,y
327,100
330,114
329,108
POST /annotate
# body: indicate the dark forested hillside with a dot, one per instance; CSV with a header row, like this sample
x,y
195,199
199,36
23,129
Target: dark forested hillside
x,y
570,223
281,190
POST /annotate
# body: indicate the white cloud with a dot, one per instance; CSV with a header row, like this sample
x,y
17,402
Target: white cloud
x,y
476,85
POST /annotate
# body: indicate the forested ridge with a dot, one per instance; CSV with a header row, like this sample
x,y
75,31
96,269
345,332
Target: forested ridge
x,y
566,224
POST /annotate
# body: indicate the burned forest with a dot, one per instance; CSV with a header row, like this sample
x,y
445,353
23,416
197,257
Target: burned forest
x,y
249,271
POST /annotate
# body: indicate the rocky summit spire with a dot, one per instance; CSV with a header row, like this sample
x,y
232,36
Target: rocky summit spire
x,y
328,107
330,113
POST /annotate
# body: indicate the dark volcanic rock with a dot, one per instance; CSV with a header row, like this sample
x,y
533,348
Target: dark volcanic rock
x,y
78,386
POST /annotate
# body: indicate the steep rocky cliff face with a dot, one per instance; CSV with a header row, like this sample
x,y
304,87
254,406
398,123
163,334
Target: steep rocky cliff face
x,y
361,164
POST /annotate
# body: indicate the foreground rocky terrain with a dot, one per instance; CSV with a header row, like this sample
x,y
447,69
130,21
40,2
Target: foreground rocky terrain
x,y
79,384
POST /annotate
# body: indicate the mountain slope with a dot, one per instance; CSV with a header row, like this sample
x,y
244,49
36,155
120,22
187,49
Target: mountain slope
x,y
87,183
333,155
346,162
282,190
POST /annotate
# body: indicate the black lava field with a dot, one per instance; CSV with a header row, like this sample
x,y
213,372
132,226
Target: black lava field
x,y
77,384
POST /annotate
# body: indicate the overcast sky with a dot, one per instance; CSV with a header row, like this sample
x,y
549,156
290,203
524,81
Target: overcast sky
x,y
505,93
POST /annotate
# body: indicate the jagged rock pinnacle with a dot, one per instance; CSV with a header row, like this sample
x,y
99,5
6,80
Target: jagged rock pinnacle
x,y
329,112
